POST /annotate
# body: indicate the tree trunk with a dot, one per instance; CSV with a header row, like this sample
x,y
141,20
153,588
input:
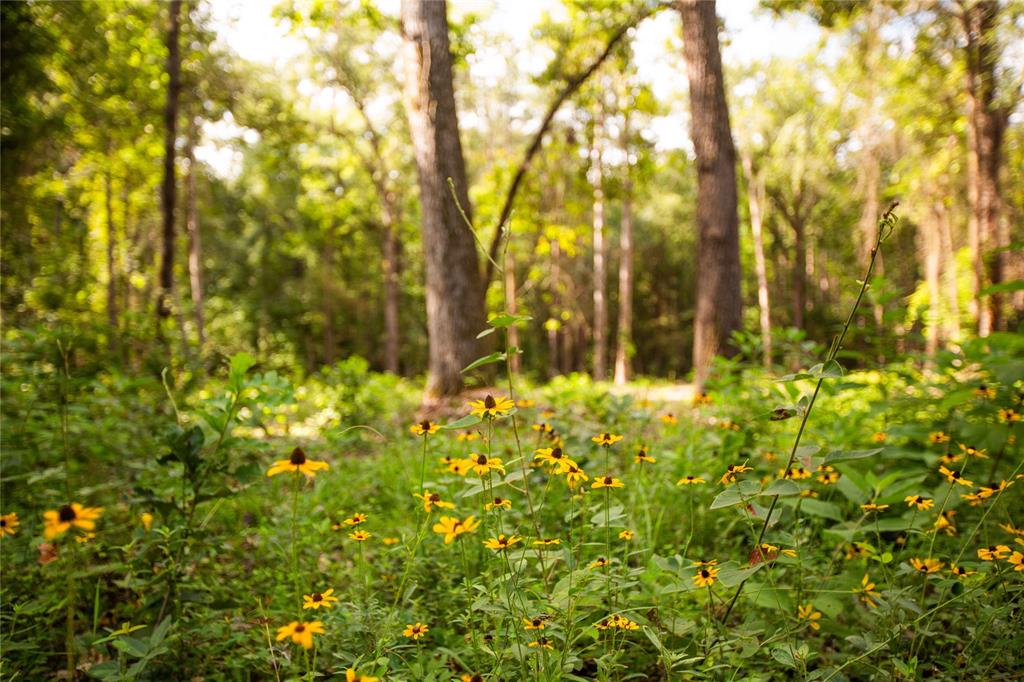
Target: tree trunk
x,y
167,189
600,252
195,248
554,325
624,338
719,302
986,125
932,246
455,305
949,267
111,259
392,294
512,306
756,200
799,273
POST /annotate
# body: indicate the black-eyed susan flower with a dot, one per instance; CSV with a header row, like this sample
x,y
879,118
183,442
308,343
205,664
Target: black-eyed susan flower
x,y
319,600
705,576
960,571
867,592
57,522
872,507
9,524
355,520
416,630
1017,560
600,562
702,398
360,535
543,427
669,418
616,622
690,479
991,489
922,503
574,475
1009,415
950,458
827,475
146,519
607,482
1012,530
938,437
525,403
431,500
980,453
606,439
472,677
769,551
85,537
769,456
535,623
729,425
643,456
467,436
955,477
297,462
807,612
794,473
985,392
808,493
301,633
926,566
993,552
498,503
627,535
451,527
541,643
547,542
352,675
730,473
491,407
502,542
944,522
481,464
460,467
391,540
879,436
553,457
425,428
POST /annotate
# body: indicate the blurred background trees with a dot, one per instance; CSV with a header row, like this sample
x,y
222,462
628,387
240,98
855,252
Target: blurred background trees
x,y
303,230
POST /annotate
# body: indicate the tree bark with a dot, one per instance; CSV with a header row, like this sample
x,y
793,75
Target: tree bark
x,y
600,251
111,258
719,303
932,246
195,248
756,201
455,304
392,300
949,267
512,305
986,127
799,273
167,189
624,337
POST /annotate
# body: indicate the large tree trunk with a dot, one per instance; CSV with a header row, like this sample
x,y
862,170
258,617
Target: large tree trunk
x,y
948,251
719,302
624,335
986,125
195,247
756,201
455,305
167,189
600,252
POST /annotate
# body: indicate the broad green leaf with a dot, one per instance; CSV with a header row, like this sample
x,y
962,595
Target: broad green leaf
x,y
465,422
781,487
506,320
827,510
496,356
846,455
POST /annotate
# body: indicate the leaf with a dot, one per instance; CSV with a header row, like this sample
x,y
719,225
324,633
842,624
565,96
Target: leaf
x,y
782,655
240,364
781,487
1003,287
486,332
735,494
496,356
844,456
506,320
465,422
732,575
824,509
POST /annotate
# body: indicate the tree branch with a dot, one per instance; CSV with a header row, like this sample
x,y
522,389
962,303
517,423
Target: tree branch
x,y
571,86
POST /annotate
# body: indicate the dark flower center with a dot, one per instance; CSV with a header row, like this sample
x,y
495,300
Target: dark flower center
x,y
489,403
416,629
556,453
300,628
956,474
434,497
66,514
498,500
425,425
606,436
704,573
607,480
3,523
482,459
298,457
317,596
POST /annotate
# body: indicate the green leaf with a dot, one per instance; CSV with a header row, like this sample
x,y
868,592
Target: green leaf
x,y
496,356
732,575
240,364
1003,287
781,487
736,494
843,456
824,509
486,332
506,320
465,422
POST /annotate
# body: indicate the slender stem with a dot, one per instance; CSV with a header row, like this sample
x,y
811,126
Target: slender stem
x,y
885,226
423,462
295,546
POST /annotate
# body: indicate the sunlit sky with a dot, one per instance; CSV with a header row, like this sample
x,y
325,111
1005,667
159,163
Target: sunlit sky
x,y
248,28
